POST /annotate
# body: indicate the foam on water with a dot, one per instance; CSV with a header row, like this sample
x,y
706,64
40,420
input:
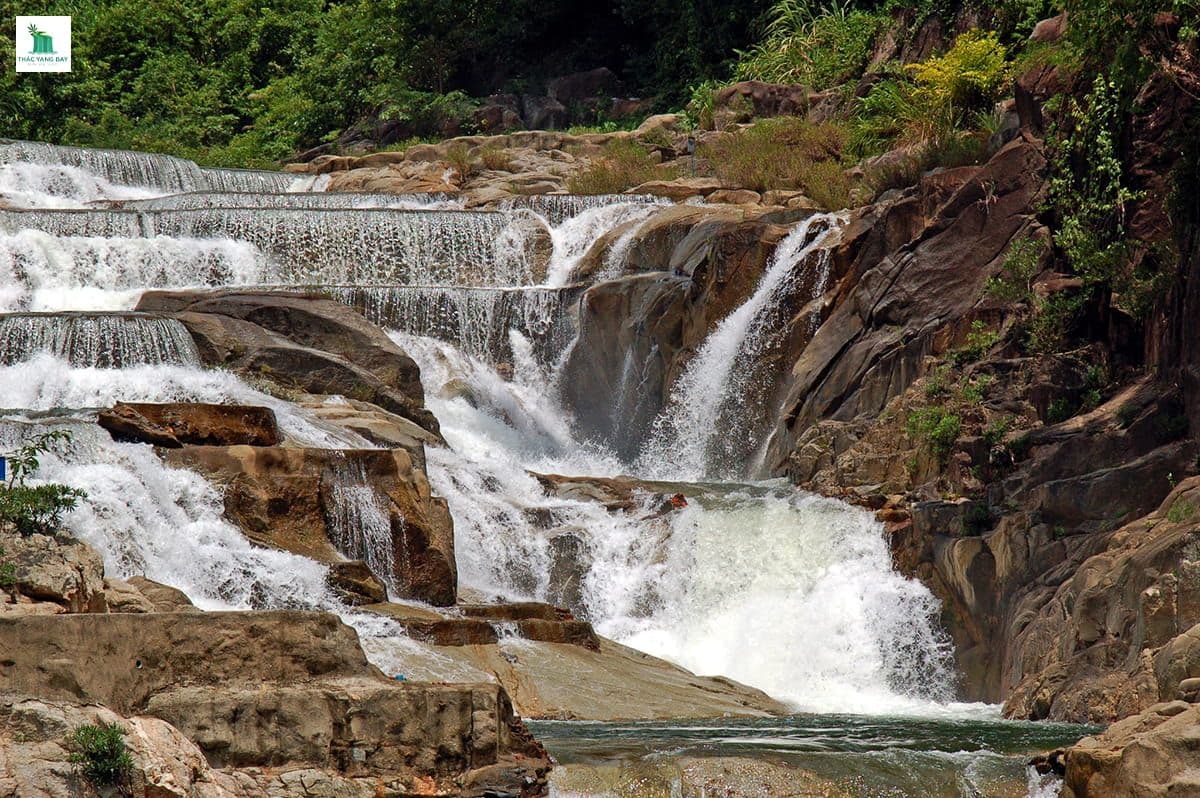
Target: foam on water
x,y
33,185
41,272
104,340
574,237
788,592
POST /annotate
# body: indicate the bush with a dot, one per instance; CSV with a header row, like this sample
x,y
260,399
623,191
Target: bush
x,y
101,754
935,429
979,340
35,509
497,159
784,153
970,76
1013,283
819,47
624,165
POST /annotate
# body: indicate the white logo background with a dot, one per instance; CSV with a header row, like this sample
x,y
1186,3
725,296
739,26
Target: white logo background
x,y
59,29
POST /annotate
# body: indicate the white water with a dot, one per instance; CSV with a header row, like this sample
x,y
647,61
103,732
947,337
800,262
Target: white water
x,y
682,439
34,185
788,592
575,236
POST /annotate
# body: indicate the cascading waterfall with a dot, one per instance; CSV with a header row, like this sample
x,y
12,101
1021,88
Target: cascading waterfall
x,y
476,320
791,593
143,169
296,200
333,245
44,272
359,520
784,591
103,340
690,439
558,208
34,185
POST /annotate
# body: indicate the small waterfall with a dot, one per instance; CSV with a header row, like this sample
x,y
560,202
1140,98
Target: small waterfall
x,y
33,185
297,200
358,517
112,340
558,208
693,438
336,245
43,272
476,320
574,237
165,173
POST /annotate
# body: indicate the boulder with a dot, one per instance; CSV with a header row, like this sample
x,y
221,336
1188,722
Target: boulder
x,y
57,571
1153,753
300,341
544,113
751,99
174,424
307,501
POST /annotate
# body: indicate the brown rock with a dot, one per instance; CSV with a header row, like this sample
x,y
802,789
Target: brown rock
x,y
752,99
1154,753
175,424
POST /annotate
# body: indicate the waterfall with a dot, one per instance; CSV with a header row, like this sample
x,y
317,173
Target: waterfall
x,y
691,439
788,592
44,272
358,517
165,173
296,200
476,320
334,245
32,185
558,208
574,237
101,340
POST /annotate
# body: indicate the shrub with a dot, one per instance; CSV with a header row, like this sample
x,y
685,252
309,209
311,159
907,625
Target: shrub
x,y
969,76
784,153
623,165
935,429
979,340
1059,411
34,509
1054,320
994,432
817,46
459,156
1013,283
101,754
8,573
1180,511
497,159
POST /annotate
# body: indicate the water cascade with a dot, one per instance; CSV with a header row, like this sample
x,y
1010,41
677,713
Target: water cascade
x,y
295,200
165,173
44,272
359,519
476,320
558,208
694,437
33,185
109,340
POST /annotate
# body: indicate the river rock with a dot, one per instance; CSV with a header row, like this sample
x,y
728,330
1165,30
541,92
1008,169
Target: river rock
x,y
1153,753
694,777
288,498
175,424
300,341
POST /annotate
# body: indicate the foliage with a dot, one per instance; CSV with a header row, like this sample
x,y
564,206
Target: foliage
x,y
624,165
1059,411
1180,512
818,46
995,431
969,76
1013,283
1053,322
101,754
979,340
8,573
934,428
784,153
35,509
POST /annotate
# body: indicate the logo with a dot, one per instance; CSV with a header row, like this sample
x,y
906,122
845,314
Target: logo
x,y
43,44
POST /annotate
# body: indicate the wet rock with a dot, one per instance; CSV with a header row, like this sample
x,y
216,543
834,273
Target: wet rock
x,y
355,584
175,424
288,498
302,342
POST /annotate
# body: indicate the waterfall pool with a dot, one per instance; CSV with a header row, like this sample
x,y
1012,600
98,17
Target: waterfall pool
x,y
868,757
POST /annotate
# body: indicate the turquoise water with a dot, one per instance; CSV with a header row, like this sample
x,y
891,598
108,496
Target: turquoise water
x,y
871,757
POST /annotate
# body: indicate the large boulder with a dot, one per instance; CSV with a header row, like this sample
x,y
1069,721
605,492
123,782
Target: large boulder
x,y
49,574
1151,754
300,341
317,503
750,99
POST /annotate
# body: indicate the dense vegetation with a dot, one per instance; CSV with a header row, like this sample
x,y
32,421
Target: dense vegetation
x,y
237,82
